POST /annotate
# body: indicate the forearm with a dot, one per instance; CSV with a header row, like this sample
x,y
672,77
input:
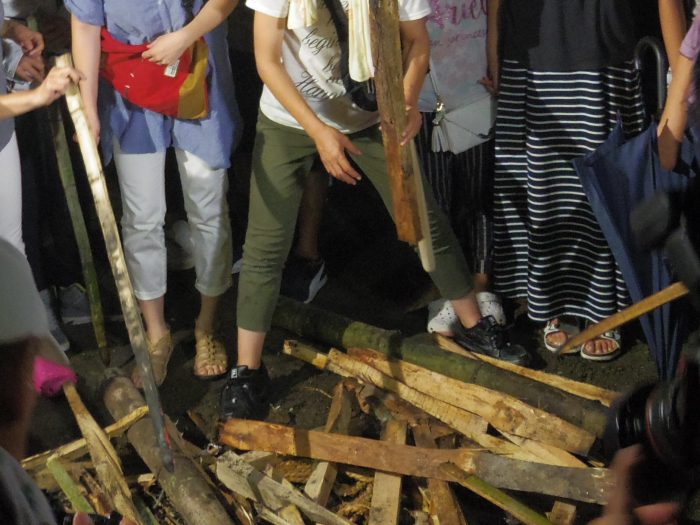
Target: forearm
x,y
86,58
673,28
14,104
279,82
675,115
212,14
416,59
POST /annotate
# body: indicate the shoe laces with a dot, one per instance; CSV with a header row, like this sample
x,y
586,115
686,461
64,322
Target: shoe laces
x,y
494,332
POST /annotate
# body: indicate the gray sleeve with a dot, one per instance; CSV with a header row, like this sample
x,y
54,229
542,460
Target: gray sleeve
x,y
11,55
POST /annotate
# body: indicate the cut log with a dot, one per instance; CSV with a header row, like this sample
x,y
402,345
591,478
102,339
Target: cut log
x,y
386,492
335,330
499,498
590,485
577,388
78,448
320,483
250,483
104,458
190,492
442,502
503,412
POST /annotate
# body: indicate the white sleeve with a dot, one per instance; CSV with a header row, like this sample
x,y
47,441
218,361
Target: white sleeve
x,y
276,8
413,9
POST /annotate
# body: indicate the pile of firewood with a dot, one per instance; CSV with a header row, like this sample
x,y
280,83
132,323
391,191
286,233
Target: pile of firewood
x,y
476,422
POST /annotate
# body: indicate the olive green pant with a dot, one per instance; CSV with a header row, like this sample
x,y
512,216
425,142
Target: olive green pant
x,y
282,158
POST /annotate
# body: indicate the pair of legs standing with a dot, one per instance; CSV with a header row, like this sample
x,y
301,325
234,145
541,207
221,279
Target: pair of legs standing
x,y
142,185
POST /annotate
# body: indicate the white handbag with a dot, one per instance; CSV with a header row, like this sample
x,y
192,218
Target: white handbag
x,y
462,128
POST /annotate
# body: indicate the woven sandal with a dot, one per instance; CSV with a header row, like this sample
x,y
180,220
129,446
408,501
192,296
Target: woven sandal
x,y
160,355
209,352
555,326
614,337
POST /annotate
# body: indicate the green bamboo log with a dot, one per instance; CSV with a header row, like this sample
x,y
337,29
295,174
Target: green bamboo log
x,y
339,331
65,170
68,486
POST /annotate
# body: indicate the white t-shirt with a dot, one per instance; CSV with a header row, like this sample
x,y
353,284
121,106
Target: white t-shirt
x,y
311,56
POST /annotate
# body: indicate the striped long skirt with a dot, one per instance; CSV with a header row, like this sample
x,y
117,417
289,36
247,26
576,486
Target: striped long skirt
x,y
548,246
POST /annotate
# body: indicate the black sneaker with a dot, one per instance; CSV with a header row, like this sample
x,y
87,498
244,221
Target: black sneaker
x,y
303,278
245,394
489,338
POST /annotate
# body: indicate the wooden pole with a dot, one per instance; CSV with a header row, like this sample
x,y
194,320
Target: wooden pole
x,y
591,485
65,171
335,330
386,491
668,294
130,308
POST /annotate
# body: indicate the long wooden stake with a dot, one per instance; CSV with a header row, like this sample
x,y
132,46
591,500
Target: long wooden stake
x,y
65,171
130,309
386,492
668,294
68,485
591,484
584,390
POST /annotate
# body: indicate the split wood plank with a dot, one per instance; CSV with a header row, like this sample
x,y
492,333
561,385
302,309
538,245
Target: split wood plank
x,y
499,498
504,412
471,425
104,458
250,483
320,483
386,493
583,390
78,448
590,485
547,453
442,502
287,511
562,513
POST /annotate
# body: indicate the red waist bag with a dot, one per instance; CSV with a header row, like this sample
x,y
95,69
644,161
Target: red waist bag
x,y
179,92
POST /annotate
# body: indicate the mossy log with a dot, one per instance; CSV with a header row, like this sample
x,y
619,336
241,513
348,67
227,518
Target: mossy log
x,y
336,330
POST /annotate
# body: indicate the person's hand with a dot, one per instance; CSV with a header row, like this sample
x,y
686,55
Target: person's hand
x,y
167,49
32,43
81,518
331,145
413,123
490,84
30,68
620,508
55,84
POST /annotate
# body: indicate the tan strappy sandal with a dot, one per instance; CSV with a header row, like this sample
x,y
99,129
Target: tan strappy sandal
x,y
209,353
160,353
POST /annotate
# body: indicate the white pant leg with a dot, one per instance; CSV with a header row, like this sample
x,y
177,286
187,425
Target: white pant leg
x,y
142,185
11,195
204,190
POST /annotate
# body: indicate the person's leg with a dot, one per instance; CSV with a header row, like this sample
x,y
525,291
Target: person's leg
x,y
281,160
141,182
11,195
204,190
451,274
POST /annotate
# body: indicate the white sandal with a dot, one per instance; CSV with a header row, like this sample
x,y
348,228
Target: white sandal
x,y
441,317
490,304
555,326
613,336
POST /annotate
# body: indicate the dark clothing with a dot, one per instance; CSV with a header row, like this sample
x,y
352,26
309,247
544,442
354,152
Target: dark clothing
x,y
567,35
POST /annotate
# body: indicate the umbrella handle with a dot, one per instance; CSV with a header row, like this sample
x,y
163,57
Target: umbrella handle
x,y
650,43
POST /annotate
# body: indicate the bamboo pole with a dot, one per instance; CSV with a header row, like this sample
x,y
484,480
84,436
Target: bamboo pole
x,y
668,294
577,388
335,330
130,309
92,288
68,486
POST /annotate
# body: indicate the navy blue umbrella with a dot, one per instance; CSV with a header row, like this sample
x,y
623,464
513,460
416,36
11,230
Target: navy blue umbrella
x,y
616,177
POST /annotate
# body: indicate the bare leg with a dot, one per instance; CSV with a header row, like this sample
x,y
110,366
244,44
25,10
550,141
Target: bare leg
x,y
467,310
250,348
481,282
206,321
154,316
